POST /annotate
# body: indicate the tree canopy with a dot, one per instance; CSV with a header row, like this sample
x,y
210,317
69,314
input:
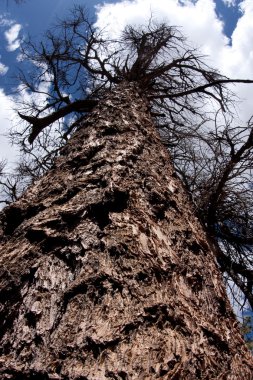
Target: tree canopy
x,y
76,64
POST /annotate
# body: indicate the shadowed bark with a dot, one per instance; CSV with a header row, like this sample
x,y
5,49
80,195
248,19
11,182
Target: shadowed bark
x,y
106,272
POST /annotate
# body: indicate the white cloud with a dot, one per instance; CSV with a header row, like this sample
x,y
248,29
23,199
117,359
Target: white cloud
x,y
230,3
7,116
5,21
11,121
198,19
200,24
11,36
3,69
237,60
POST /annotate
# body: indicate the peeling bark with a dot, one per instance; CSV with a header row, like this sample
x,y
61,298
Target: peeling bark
x,y
105,271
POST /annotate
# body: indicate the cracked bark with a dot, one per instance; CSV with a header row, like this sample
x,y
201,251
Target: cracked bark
x,y
105,271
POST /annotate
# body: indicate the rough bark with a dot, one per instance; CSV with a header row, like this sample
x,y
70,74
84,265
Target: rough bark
x,y
106,272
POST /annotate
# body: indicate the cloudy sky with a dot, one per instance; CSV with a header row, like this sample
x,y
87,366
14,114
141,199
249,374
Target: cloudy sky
x,y
222,29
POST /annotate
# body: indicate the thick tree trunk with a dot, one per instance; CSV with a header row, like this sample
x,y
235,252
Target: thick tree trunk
x,y
106,272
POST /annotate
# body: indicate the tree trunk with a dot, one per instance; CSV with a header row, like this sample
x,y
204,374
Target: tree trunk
x,y
106,272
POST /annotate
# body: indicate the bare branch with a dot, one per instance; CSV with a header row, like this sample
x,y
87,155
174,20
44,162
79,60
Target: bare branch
x,y
40,123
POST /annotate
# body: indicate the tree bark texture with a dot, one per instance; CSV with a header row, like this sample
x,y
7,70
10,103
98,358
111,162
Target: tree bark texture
x,y
105,271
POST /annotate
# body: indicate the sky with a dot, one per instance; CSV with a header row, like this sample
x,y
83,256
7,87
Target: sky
x,y
222,29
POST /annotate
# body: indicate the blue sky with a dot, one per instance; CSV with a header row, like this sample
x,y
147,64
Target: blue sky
x,y
229,14
222,29
36,16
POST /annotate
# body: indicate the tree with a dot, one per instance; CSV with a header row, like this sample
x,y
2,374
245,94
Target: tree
x,y
106,270
211,155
